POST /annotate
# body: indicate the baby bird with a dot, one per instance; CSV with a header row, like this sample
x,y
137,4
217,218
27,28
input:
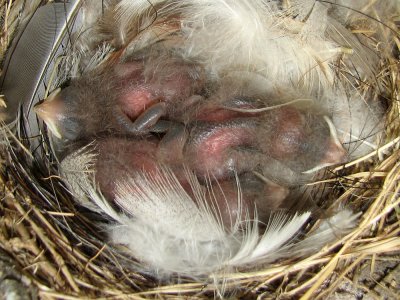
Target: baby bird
x,y
285,143
125,98
121,158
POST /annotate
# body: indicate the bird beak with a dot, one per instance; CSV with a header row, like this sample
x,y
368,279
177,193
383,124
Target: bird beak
x,y
335,152
50,111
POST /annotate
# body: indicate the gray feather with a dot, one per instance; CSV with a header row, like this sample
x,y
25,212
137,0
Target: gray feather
x,y
29,60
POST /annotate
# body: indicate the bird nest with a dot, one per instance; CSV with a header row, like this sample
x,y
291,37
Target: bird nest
x,y
52,248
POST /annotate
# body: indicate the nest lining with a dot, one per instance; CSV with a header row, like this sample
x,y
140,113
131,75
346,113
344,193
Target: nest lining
x,y
59,253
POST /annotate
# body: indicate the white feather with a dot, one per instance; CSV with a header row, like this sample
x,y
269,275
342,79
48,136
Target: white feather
x,y
164,228
359,122
296,45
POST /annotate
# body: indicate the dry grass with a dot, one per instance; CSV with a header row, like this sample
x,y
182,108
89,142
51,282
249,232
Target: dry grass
x,y
61,253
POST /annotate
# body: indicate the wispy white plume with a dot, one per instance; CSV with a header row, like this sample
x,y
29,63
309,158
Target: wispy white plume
x,y
298,44
171,232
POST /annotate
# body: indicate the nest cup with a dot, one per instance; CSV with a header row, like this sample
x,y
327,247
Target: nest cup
x,y
53,248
